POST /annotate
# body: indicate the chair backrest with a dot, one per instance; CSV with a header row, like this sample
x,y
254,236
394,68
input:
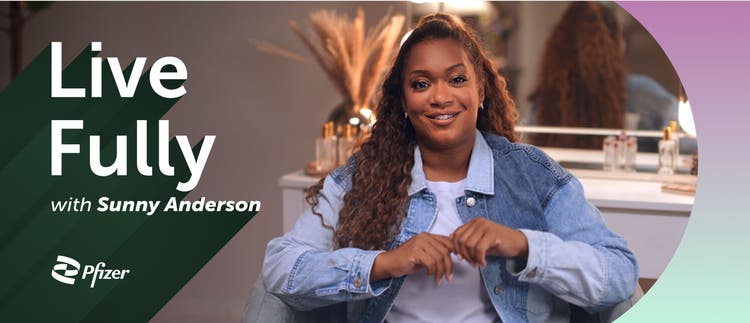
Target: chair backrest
x,y
612,314
264,307
579,315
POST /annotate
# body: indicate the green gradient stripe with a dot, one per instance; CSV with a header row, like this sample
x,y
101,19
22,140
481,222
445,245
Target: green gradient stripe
x,y
162,252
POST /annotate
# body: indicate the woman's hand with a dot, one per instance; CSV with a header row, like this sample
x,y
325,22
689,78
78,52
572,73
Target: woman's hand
x,y
480,237
425,250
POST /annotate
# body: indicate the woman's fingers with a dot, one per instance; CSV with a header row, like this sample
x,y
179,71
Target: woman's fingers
x,y
433,254
439,264
442,256
433,262
445,241
480,250
470,244
463,241
448,244
456,243
475,239
469,241
425,261
444,245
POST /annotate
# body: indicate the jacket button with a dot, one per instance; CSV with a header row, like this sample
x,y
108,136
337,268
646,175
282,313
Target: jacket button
x,y
471,201
532,273
497,289
358,282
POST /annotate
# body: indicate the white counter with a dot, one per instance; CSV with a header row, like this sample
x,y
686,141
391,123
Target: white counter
x,y
650,220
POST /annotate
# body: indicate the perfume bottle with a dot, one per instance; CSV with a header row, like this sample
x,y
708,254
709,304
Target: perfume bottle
x,y
621,151
667,161
631,150
325,149
676,139
609,147
346,143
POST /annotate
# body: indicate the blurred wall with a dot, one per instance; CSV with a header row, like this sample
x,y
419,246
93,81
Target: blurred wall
x,y
535,22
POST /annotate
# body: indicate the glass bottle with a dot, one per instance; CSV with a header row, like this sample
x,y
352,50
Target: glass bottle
x,y
631,150
621,151
676,139
609,147
667,153
346,143
325,149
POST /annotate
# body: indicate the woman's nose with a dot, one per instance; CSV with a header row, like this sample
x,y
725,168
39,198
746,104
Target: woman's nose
x,y
440,95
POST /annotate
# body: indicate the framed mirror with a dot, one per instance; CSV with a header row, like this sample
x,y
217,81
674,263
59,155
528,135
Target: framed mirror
x,y
577,74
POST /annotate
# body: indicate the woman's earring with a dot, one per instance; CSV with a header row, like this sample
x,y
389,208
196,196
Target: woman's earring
x,y
406,115
481,106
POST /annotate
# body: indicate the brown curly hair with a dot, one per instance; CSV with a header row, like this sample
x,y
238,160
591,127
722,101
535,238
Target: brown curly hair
x,y
581,80
375,206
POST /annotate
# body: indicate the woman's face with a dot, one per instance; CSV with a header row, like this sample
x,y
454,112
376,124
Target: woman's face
x,y
441,94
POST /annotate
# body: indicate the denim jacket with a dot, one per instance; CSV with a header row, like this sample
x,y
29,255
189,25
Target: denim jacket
x,y
573,257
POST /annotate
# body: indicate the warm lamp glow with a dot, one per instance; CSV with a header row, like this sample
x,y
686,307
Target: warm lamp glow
x,y
365,112
406,36
467,6
686,118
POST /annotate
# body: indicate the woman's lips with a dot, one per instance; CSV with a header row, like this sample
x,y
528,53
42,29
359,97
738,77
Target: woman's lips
x,y
442,119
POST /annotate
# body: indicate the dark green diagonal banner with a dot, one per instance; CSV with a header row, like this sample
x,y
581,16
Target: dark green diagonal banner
x,y
137,261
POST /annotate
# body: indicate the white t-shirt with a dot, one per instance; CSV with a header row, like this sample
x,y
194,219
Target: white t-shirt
x,y
463,299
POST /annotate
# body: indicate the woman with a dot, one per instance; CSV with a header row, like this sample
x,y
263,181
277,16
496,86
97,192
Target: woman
x,y
441,216
581,79
583,82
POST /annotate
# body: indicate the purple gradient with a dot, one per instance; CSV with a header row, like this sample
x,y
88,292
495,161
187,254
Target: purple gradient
x,y
709,46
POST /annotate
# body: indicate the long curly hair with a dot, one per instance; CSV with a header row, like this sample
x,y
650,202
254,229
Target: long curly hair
x,y
376,204
581,80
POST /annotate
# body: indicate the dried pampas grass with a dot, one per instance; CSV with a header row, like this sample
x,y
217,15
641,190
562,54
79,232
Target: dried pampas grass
x,y
354,61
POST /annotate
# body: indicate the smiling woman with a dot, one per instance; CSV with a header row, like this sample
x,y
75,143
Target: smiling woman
x,y
442,97
442,191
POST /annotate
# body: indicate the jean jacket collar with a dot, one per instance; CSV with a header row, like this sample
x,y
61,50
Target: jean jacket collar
x,y
480,175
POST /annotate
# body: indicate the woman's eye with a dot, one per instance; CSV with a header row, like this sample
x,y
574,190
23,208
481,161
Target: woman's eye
x,y
419,85
458,79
